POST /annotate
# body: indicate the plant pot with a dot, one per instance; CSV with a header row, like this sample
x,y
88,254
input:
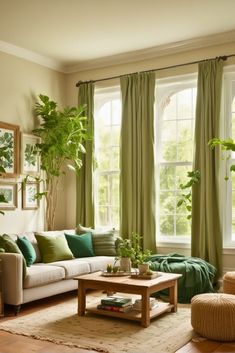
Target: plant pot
x,y
125,264
143,268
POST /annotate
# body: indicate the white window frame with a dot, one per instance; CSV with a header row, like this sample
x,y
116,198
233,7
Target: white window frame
x,y
168,86
226,186
102,96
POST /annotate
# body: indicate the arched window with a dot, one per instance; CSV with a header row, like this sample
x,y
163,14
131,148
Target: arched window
x,y
174,153
107,120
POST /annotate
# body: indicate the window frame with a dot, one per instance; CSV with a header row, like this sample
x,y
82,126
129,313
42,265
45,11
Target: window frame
x,y
226,127
102,96
168,87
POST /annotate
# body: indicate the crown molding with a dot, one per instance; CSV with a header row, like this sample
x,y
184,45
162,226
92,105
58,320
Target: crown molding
x,y
31,56
118,59
154,52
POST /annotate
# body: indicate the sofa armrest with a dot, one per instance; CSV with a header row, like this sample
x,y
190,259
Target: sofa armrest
x,y
12,267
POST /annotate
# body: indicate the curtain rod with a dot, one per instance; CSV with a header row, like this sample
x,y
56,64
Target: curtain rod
x,y
224,58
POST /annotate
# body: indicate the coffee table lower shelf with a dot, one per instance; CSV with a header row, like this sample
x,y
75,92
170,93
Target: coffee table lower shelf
x,y
134,315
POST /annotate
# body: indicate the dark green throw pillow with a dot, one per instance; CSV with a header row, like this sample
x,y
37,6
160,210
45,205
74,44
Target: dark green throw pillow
x,y
80,245
8,244
27,250
53,248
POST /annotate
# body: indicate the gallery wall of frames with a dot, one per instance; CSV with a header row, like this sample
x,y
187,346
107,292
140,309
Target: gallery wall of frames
x,y
19,168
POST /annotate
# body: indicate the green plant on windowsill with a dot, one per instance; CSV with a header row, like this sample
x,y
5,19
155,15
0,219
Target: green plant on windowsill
x,y
186,196
226,145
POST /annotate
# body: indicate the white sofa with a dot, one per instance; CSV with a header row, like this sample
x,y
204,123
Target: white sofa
x,y
43,280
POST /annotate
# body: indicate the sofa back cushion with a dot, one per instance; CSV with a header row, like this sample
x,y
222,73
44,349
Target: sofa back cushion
x,y
10,246
27,250
104,241
80,245
53,247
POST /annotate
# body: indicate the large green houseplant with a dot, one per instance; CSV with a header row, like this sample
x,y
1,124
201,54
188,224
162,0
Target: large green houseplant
x,y
62,135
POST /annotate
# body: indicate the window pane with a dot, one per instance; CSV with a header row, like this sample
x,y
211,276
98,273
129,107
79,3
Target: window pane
x,y
167,225
103,190
176,153
183,225
167,202
107,120
167,178
103,216
184,104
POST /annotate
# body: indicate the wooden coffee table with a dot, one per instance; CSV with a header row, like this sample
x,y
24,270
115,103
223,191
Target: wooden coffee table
x,y
125,284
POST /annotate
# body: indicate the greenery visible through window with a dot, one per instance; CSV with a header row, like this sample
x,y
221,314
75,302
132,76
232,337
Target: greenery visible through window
x,y
175,130
107,133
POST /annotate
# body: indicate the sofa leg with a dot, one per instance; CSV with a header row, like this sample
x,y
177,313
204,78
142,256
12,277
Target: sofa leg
x,y
17,309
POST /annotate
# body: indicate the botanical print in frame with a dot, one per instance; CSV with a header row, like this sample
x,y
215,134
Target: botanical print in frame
x,y
29,190
9,150
9,190
29,154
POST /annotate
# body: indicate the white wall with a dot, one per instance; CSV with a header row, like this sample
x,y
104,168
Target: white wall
x,y
160,62
21,82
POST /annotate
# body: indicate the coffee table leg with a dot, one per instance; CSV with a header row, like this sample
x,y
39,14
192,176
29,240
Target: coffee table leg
x,y
81,299
145,314
173,296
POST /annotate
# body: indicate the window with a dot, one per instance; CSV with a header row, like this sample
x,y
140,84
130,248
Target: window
x,y
174,134
107,120
228,197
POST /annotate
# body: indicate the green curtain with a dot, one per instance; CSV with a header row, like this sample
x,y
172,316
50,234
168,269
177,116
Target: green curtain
x,y
206,223
85,203
137,184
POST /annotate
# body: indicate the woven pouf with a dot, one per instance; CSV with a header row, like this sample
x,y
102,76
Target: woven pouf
x,y
229,283
213,316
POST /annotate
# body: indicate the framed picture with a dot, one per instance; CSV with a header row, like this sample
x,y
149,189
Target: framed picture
x,y
29,190
9,191
30,163
9,150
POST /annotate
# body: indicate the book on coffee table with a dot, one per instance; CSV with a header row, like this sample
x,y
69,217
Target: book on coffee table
x,y
116,301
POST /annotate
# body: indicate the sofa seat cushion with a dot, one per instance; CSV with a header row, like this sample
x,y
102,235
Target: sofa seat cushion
x,y
99,263
40,274
73,267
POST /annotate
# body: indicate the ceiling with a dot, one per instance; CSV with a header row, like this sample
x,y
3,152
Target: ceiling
x,y
71,32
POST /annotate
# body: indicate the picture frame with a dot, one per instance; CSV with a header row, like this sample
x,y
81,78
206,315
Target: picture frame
x,y
9,190
30,160
29,190
9,140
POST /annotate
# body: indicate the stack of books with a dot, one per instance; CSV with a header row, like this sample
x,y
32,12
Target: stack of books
x,y
118,304
138,304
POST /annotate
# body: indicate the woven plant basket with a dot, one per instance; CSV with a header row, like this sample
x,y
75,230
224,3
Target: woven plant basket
x,y
229,283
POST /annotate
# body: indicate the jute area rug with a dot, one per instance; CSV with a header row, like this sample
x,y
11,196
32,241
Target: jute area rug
x,y
61,324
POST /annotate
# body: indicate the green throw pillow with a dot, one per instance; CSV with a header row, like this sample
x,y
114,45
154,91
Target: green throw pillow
x,y
8,244
104,242
80,245
27,250
2,250
53,248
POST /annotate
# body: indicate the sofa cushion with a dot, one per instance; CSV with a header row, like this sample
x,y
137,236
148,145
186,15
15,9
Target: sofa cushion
x,y
104,241
73,267
40,275
53,247
27,250
10,246
80,245
99,263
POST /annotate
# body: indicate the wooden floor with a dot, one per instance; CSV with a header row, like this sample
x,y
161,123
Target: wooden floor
x,y
10,343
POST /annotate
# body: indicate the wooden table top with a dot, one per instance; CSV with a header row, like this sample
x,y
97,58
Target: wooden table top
x,y
97,277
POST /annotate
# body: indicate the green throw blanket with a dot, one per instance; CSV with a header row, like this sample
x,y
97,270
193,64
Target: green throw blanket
x,y
197,274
